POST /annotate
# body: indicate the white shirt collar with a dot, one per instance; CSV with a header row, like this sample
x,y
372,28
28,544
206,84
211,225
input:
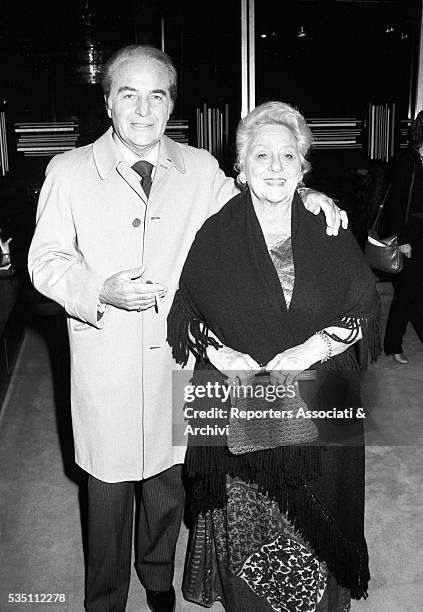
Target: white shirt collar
x,y
131,158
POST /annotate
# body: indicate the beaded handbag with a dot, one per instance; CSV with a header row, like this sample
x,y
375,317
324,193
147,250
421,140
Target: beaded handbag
x,y
259,422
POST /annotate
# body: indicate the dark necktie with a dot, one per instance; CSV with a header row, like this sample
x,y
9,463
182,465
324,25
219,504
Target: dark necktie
x,y
144,168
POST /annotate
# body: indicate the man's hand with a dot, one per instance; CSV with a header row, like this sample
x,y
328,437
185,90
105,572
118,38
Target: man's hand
x,y
315,201
406,249
240,368
125,290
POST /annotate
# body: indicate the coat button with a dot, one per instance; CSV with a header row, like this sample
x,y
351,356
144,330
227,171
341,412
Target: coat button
x,y
136,222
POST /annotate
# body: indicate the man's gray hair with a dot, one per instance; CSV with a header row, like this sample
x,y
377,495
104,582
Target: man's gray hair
x,y
138,52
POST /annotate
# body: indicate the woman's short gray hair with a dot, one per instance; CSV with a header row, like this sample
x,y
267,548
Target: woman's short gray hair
x,y
139,52
273,113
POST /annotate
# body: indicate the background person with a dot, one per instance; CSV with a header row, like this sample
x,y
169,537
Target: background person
x,y
406,191
100,237
264,287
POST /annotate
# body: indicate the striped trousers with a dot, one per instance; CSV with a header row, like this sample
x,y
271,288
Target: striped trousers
x,y
159,511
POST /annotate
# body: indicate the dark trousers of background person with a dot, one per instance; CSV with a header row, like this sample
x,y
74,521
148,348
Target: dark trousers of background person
x,y
110,522
406,306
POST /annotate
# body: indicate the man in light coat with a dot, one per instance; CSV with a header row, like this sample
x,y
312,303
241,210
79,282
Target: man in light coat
x,y
109,246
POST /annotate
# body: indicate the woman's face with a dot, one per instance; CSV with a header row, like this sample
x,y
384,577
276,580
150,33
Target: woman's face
x,y
272,165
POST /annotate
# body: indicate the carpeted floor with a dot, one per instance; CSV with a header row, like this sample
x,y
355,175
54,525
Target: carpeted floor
x,y
41,491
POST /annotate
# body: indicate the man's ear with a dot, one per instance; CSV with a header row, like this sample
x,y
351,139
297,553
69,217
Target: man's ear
x,y
170,110
108,106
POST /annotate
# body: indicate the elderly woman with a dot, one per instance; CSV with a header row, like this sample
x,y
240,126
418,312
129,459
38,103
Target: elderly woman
x,y
278,525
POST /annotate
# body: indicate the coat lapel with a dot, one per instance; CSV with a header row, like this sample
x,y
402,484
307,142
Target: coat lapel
x,y
106,157
133,181
169,156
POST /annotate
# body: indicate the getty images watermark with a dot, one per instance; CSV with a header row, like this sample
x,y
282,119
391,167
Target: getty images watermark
x,y
207,408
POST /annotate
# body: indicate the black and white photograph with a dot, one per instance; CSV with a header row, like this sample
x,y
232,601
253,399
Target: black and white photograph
x,y
211,306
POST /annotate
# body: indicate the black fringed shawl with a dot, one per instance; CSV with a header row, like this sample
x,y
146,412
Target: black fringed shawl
x,y
229,285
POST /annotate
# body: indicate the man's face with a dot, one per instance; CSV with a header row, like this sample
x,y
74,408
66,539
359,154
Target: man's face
x,y
139,103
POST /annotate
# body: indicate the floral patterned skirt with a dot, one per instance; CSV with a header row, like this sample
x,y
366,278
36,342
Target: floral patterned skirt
x,y
248,556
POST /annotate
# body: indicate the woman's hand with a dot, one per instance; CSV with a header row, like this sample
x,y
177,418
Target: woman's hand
x,y
285,366
406,249
240,368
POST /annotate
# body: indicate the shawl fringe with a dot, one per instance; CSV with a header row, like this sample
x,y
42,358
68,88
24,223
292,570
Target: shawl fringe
x,y
271,470
185,331
344,558
283,475
366,350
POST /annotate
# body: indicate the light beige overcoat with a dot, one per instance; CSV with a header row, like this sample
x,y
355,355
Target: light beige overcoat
x,y
93,221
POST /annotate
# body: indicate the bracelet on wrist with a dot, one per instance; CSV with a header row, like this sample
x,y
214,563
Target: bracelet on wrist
x,y
323,335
